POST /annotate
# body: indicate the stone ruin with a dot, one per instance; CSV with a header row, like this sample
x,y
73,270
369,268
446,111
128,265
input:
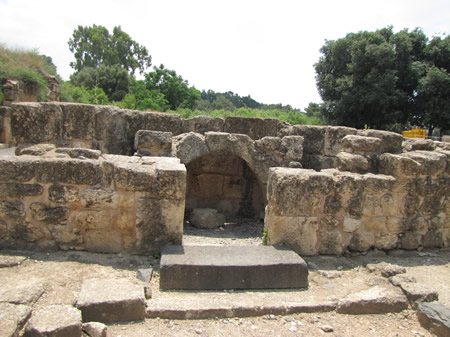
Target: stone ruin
x,y
104,179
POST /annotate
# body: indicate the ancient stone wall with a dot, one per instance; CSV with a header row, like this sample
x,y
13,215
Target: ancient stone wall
x,y
406,206
79,199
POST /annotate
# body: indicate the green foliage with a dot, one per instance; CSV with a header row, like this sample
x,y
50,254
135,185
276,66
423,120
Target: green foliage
x,y
265,243
1,96
293,117
95,46
175,90
114,80
71,93
378,79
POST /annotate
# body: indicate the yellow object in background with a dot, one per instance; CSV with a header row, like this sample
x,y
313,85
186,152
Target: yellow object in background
x,y
415,133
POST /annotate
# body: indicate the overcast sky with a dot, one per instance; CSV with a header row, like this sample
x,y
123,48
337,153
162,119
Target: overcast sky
x,y
265,49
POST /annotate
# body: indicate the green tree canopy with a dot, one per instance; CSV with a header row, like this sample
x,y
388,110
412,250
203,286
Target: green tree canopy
x,y
382,78
175,90
95,46
114,80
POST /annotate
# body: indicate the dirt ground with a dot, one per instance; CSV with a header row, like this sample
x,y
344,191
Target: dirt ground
x,y
330,278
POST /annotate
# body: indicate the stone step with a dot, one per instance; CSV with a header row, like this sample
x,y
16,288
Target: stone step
x,y
231,267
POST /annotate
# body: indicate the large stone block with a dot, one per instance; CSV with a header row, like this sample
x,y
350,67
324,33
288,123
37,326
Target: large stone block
x,y
391,141
206,218
431,163
78,121
158,223
255,128
226,267
376,300
202,124
111,301
398,166
352,162
48,215
361,144
153,143
62,194
12,209
298,233
55,321
69,171
334,139
21,169
34,123
189,146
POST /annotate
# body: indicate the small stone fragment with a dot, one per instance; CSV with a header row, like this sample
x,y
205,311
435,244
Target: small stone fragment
x,y
386,269
148,292
417,292
95,329
326,328
145,275
401,278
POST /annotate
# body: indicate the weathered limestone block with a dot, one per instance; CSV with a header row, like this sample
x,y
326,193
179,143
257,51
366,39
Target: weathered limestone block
x,y
431,163
56,321
34,149
398,165
376,300
33,123
153,143
62,194
48,215
93,219
314,137
391,141
26,291
334,139
111,301
78,120
158,223
80,153
411,144
69,171
351,225
3,230
206,218
17,190
202,124
435,239
97,197
158,176
255,128
361,242
298,233
103,241
434,317
287,187
12,209
292,147
410,240
331,243
21,169
189,146
13,318
419,292
352,162
361,144
385,241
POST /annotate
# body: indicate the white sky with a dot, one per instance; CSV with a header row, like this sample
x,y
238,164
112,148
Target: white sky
x,y
261,48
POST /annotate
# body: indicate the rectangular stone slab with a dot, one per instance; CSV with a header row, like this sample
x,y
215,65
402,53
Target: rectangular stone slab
x,y
231,267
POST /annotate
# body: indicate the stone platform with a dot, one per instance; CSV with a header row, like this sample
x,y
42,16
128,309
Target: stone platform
x,y
231,267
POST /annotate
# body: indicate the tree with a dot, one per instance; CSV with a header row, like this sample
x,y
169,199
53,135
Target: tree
x,y
371,78
175,90
95,46
114,80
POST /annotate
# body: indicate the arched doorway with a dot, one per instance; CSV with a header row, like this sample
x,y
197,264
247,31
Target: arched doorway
x,y
223,181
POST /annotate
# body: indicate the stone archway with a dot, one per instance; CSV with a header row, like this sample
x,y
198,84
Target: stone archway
x,y
225,182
